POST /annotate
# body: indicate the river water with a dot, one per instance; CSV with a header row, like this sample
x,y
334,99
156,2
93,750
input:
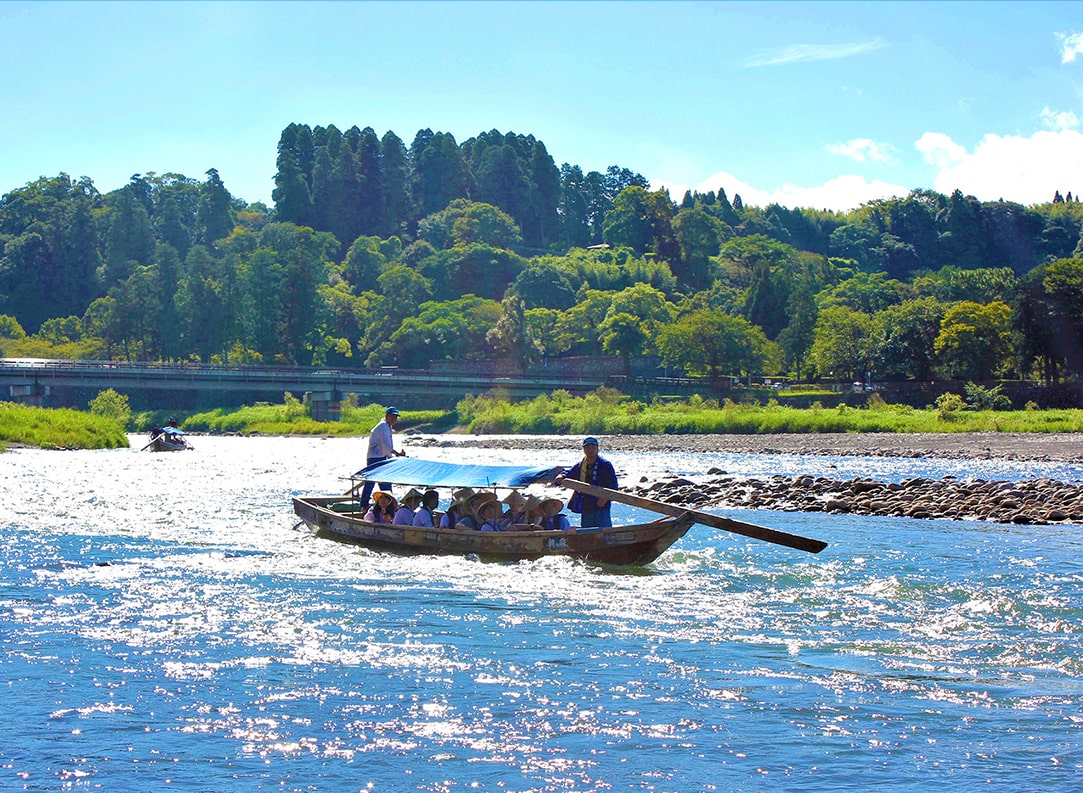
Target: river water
x,y
165,626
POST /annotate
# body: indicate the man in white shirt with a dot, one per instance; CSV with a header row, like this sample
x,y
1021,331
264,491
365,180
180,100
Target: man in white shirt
x,y
380,448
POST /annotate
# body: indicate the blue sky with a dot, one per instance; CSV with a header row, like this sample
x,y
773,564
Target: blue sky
x,y
820,104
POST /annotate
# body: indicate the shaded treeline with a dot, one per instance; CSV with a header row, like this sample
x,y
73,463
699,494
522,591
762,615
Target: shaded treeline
x,y
376,253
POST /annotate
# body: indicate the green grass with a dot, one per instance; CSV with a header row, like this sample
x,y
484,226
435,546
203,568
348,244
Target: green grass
x,y
611,413
58,428
292,419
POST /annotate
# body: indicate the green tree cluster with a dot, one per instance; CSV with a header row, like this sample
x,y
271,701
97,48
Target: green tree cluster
x,y
376,253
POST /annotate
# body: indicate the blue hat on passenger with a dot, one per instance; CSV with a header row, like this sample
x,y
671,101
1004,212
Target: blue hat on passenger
x,y
590,439
391,411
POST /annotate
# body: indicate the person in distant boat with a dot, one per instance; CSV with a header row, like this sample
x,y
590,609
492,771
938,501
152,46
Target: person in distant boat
x,y
489,516
404,516
423,516
172,422
383,508
457,509
380,448
553,519
515,514
593,470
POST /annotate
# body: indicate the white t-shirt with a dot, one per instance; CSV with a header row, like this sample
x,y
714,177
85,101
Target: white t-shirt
x,y
380,441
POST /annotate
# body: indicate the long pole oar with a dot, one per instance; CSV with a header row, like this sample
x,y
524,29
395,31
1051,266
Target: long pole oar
x,y
153,440
707,519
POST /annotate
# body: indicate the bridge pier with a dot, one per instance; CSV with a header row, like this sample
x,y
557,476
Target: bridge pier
x,y
324,405
33,394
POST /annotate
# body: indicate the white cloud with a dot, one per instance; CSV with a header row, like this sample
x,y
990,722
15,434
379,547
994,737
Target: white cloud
x,y
940,150
1055,120
863,149
802,53
1071,46
1017,168
840,194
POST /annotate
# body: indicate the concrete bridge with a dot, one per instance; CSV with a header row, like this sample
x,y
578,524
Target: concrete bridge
x,y
44,381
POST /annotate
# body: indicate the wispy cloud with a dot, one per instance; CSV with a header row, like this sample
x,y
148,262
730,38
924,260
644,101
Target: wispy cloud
x,y
1064,120
802,53
1071,46
864,150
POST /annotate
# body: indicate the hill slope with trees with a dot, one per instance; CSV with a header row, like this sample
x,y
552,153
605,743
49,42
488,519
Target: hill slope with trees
x,y
377,253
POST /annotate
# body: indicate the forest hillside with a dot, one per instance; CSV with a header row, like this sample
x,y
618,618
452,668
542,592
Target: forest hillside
x,y
380,253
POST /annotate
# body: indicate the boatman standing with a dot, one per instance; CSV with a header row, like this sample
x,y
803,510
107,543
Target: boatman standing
x,y
593,470
380,448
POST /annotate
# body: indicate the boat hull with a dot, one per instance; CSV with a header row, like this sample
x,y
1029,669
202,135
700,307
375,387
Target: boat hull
x,y
163,445
620,545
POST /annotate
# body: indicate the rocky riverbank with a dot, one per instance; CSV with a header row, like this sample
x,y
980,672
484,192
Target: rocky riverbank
x,y
1035,501
1054,447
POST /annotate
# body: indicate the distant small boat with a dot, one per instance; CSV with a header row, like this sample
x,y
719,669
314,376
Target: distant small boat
x,y
168,439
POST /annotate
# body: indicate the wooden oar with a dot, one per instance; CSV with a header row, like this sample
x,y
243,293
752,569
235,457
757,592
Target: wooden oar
x,y
356,484
152,440
707,519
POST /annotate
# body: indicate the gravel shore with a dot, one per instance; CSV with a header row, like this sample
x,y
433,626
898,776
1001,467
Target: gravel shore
x,y
1053,447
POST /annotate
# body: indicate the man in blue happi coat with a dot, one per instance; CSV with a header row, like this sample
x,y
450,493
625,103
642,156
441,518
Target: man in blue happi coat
x,y
597,471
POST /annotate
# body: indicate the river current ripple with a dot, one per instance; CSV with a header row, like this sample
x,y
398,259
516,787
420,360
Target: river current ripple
x,y
165,626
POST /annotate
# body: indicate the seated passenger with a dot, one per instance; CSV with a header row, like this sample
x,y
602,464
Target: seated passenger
x,y
404,515
489,516
429,502
553,519
382,509
473,519
515,514
532,514
457,509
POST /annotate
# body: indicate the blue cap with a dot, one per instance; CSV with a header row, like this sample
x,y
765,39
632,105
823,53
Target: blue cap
x,y
589,440
391,411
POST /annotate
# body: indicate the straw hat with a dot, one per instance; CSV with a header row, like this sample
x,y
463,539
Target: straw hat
x,y
462,495
533,505
488,507
514,499
412,498
478,499
551,506
380,495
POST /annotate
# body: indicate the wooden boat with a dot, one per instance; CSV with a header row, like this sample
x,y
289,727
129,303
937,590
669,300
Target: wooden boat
x,y
168,439
340,518
336,518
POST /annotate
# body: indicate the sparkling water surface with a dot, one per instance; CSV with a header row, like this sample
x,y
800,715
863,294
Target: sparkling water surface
x,y
165,626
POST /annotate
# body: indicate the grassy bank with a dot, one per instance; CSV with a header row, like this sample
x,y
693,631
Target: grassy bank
x,y
292,418
59,428
612,414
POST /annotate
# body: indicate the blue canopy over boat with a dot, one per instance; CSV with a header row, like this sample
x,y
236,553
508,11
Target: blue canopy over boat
x,y
172,430
412,471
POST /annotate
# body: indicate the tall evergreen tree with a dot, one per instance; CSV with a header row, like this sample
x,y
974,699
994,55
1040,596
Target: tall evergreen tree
x,y
214,218
440,174
293,181
130,238
397,212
